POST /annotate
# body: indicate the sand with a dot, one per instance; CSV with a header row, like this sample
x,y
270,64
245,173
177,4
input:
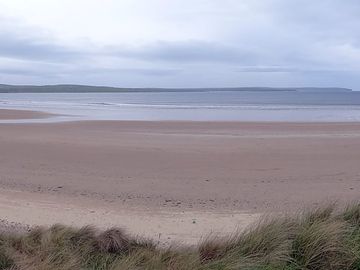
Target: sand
x,y
173,180
22,114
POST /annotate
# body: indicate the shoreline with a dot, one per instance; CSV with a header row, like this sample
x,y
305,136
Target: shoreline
x,y
26,115
11,114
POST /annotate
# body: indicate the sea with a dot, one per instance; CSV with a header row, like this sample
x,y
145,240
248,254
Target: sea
x,y
283,106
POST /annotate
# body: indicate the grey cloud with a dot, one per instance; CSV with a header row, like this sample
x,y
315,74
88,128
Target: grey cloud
x,y
15,71
281,69
267,69
33,48
300,41
151,71
156,72
63,71
191,51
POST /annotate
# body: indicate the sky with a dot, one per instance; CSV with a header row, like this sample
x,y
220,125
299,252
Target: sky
x,y
181,43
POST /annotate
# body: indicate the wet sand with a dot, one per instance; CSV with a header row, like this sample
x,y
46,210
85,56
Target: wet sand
x,y
22,114
173,180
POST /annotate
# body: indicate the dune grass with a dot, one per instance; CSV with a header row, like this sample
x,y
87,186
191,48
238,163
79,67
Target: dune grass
x,y
321,238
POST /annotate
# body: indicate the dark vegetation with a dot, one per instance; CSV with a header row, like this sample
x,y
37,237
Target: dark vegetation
x,y
322,238
67,88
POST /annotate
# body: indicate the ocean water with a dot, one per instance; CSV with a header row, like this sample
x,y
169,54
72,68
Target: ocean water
x,y
196,106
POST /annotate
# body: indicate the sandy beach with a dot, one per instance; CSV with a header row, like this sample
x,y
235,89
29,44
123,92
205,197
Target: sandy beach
x,y
22,114
173,180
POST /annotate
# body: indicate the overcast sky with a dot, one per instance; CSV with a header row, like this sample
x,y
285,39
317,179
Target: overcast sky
x,y
181,43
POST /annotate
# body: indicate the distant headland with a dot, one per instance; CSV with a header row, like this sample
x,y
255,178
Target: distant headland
x,y
70,88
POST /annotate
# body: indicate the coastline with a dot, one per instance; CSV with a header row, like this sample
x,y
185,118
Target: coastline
x,y
11,114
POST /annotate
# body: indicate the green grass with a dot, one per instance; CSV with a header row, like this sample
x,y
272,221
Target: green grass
x,y
318,239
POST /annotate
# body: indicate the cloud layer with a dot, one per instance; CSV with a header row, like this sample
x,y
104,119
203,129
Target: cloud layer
x,y
161,43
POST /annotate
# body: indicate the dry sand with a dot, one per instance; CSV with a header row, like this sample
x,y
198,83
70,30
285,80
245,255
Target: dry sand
x,y
173,180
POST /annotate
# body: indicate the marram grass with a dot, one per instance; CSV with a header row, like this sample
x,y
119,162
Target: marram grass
x,y
324,238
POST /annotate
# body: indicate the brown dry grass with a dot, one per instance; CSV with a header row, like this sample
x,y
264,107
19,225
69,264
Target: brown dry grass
x,y
318,239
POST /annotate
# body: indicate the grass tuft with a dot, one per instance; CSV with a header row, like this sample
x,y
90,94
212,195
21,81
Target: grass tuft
x,y
351,214
321,245
113,240
212,248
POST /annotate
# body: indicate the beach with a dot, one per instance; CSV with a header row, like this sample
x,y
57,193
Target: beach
x,y
173,180
6,114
